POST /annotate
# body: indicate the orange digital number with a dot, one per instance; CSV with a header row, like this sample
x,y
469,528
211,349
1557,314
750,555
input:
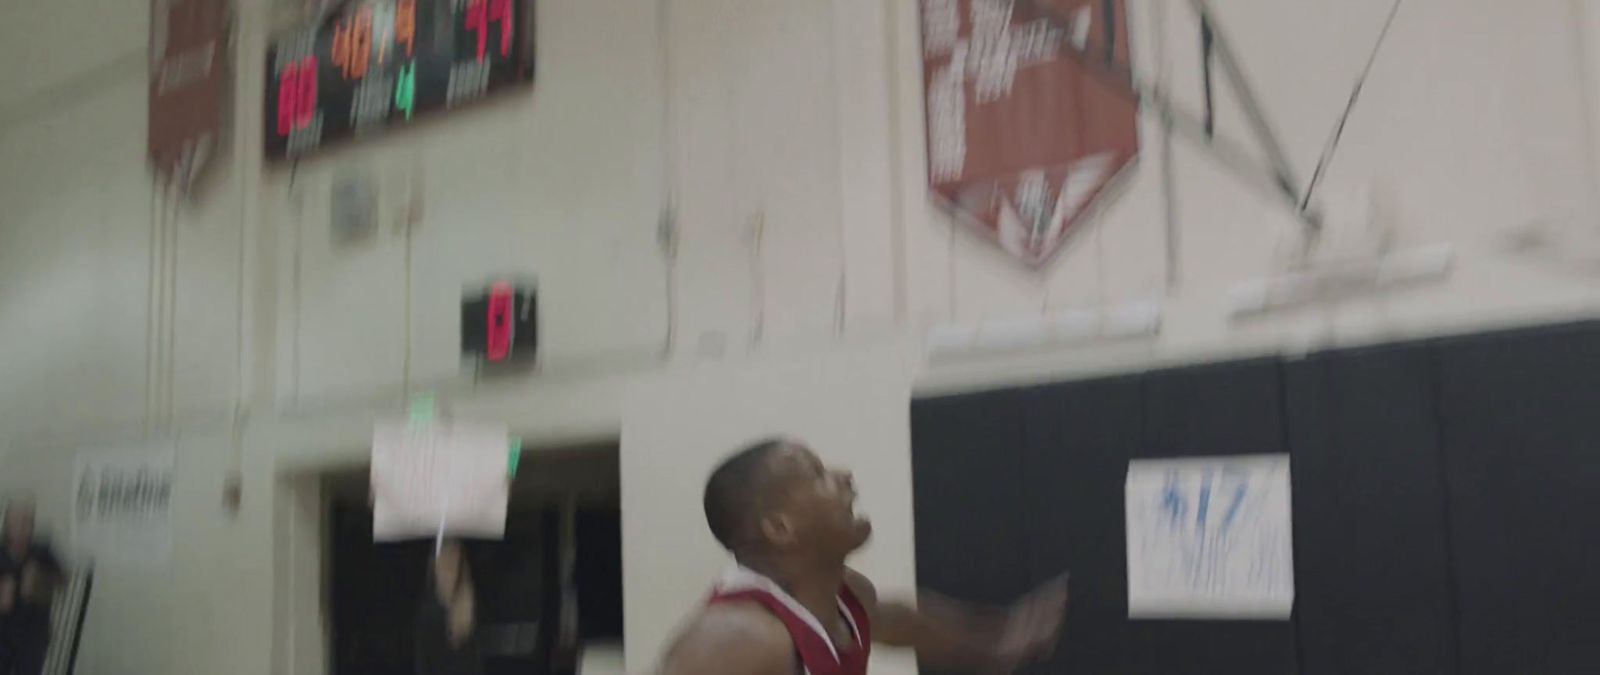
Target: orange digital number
x,y
361,42
339,51
352,44
405,23
383,42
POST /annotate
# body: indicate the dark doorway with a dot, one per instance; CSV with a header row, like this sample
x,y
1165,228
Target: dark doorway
x,y
552,583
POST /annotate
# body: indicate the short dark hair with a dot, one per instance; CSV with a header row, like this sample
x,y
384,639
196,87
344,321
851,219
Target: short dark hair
x,y
733,492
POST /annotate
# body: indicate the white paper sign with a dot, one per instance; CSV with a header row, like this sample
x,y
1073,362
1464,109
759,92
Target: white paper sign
x,y
122,506
432,476
1210,538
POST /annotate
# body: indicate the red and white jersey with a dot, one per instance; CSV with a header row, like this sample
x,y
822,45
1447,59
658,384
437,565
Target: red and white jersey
x,y
817,653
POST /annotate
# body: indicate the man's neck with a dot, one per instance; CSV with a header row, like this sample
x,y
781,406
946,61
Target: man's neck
x,y
814,584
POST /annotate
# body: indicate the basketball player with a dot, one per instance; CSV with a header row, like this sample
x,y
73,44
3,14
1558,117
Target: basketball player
x,y
791,606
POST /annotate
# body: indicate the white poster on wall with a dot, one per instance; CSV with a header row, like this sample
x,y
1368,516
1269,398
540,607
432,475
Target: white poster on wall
x,y
1210,538
122,505
431,478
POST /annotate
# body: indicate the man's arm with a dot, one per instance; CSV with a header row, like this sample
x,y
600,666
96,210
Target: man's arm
x,y
732,640
951,634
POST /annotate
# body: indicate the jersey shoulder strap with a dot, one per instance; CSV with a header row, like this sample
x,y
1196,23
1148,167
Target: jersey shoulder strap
x,y
815,652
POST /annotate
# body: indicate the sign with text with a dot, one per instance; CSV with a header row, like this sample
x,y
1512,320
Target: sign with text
x,y
435,478
191,92
1210,537
122,505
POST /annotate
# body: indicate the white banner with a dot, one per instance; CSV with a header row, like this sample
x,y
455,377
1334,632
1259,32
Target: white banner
x,y
427,478
122,505
1210,538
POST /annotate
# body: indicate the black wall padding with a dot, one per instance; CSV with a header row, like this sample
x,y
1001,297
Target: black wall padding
x,y
972,542
1079,438
1521,431
1219,409
1446,505
1373,592
966,475
1216,409
1013,487
598,572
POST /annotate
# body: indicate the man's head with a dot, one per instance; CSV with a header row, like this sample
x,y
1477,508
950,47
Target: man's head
x,y
18,523
776,496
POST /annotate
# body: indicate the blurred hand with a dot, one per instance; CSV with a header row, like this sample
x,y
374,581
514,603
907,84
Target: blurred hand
x,y
1032,626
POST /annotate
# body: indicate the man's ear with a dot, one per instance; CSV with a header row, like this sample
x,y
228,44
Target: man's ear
x,y
778,529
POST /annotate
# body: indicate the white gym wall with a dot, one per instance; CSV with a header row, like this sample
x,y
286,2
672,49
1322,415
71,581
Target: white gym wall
x,y
803,117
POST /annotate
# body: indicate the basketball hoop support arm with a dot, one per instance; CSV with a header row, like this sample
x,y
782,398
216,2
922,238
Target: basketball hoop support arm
x,y
1277,180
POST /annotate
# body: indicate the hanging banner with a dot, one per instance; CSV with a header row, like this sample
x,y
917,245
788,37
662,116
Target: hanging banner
x,y
1210,537
122,506
1030,114
433,478
191,92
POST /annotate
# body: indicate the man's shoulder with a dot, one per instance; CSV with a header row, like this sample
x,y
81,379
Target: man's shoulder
x,y
862,587
737,622
737,636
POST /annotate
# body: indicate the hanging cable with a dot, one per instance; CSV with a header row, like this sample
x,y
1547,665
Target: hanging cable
x,y
151,333
897,177
174,215
1350,106
296,259
667,232
1099,268
1169,180
668,241
241,167
1207,40
841,289
409,237
758,275
950,276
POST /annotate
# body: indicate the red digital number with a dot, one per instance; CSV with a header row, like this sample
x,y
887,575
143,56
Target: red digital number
x,y
297,95
501,329
308,92
476,20
478,16
288,98
501,11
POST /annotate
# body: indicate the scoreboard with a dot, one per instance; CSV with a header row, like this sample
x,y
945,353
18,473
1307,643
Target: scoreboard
x,y
376,64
